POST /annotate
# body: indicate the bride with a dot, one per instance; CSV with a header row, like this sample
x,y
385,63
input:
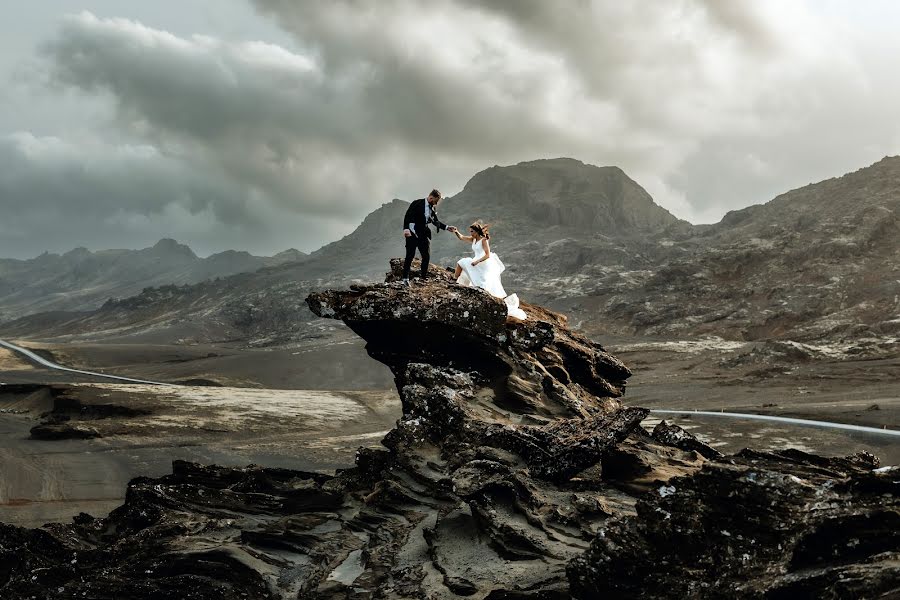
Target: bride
x,y
484,268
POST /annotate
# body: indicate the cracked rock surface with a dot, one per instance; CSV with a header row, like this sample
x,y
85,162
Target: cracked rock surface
x,y
755,525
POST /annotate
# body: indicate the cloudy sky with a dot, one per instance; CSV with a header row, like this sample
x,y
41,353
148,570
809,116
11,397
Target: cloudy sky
x,y
269,124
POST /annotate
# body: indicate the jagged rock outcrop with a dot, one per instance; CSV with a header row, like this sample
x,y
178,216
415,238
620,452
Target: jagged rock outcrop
x,y
673,435
514,471
70,418
757,525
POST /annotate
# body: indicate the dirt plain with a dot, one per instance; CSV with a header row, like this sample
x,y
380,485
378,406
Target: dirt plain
x,y
311,407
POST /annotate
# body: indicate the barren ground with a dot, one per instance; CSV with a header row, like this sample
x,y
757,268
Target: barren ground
x,y
311,407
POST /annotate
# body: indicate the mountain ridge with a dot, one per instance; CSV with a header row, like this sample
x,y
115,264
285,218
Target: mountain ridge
x,y
81,279
784,269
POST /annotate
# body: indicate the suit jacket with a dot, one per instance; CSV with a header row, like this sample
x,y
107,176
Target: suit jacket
x,y
416,214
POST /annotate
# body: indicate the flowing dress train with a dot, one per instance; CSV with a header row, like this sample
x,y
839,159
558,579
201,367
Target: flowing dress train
x,y
486,275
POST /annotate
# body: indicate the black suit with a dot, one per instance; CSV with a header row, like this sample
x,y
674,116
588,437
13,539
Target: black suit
x,y
421,237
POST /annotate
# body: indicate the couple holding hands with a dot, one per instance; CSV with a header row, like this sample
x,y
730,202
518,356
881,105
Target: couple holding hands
x,y
482,270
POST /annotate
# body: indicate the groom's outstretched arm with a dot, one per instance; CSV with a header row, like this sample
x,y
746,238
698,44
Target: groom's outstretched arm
x,y
437,221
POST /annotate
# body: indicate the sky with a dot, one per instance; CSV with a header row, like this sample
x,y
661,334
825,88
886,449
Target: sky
x,y
263,125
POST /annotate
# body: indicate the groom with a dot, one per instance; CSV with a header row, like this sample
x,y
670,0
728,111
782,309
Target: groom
x,y
418,216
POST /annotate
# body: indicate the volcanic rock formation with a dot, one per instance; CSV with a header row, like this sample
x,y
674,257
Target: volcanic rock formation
x,y
513,472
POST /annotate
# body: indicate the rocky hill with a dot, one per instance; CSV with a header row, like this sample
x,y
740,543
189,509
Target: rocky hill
x,y
561,193
530,205
818,263
514,471
82,280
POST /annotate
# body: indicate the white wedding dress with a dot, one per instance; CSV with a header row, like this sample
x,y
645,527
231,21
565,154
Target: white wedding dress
x,y
486,275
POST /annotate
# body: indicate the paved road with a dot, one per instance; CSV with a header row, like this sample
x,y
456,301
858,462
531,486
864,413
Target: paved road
x,y
791,420
52,365
827,424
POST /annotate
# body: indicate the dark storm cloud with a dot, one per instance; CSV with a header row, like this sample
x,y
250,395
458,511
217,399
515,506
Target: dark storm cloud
x,y
242,106
657,88
54,175
278,118
709,105
380,92
55,194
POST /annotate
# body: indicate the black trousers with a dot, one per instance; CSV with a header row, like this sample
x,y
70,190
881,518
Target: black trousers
x,y
424,245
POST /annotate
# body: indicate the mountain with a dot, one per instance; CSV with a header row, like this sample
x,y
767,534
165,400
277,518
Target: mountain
x,y
82,280
577,214
562,193
821,261
536,202
816,263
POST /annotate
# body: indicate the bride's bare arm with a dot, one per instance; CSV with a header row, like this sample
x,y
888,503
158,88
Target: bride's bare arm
x,y
465,238
487,252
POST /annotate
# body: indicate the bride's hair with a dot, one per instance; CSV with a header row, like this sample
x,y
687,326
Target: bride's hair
x,y
481,228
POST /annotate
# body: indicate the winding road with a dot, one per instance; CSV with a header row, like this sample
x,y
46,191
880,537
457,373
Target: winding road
x,y
791,420
659,411
52,365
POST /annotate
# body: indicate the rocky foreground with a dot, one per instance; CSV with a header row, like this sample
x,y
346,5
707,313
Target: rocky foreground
x,y
513,472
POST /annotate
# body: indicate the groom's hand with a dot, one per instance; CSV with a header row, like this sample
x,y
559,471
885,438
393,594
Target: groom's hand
x,y
451,229
407,233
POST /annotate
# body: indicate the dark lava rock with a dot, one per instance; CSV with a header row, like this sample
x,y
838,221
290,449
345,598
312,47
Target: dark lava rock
x,y
199,382
513,471
63,430
69,417
673,435
66,407
471,495
755,525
